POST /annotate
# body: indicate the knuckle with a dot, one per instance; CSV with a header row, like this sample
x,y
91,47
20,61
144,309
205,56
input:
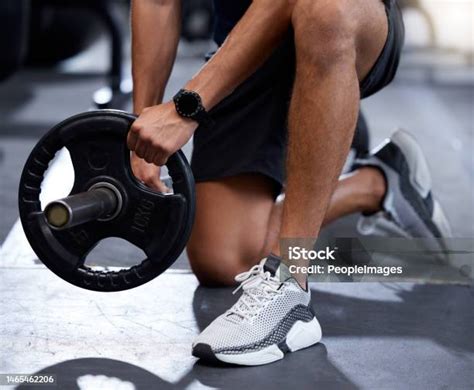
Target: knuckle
x,y
136,127
145,138
168,149
161,148
160,161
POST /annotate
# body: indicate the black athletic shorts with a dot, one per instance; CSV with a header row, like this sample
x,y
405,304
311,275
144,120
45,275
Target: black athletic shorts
x,y
249,135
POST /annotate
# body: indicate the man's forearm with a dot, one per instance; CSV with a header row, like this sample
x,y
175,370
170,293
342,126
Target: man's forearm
x,y
155,36
246,48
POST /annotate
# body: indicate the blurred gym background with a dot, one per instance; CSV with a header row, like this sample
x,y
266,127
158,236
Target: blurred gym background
x,y
61,57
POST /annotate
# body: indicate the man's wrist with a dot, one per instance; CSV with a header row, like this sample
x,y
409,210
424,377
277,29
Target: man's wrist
x,y
205,90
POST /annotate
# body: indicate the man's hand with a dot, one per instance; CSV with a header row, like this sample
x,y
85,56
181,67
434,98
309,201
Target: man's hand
x,y
149,174
159,132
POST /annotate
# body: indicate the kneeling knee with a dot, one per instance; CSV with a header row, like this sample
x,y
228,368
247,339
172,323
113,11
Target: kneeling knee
x,y
214,269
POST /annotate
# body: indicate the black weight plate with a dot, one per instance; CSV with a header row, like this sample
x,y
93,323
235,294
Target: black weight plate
x,y
159,224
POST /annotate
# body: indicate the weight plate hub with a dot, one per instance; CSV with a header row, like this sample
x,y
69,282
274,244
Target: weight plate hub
x,y
159,224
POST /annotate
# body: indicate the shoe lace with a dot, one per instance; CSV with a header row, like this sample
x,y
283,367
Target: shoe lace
x,y
259,287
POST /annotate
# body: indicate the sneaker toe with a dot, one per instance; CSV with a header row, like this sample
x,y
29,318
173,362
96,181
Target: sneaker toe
x,y
204,351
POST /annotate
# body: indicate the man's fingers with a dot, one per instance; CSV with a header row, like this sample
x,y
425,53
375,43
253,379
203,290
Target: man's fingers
x,y
160,159
141,148
149,154
156,184
132,139
132,136
160,186
151,178
162,152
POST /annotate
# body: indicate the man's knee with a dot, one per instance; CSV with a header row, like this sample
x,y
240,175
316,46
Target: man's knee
x,y
213,267
324,31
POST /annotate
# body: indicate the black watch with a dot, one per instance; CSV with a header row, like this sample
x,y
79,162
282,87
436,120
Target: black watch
x,y
189,105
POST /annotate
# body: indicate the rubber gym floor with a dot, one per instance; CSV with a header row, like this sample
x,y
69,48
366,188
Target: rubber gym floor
x,y
376,335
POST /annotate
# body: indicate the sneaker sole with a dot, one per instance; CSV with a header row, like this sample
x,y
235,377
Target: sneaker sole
x,y
301,335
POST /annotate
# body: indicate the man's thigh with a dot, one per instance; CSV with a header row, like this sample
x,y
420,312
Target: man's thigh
x,y
230,229
388,26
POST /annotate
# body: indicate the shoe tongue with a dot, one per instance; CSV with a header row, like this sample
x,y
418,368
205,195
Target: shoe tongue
x,y
272,263
276,267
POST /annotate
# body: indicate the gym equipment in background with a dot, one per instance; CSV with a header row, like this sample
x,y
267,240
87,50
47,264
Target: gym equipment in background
x,y
14,17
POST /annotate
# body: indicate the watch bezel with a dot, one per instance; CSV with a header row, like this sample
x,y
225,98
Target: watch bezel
x,y
188,93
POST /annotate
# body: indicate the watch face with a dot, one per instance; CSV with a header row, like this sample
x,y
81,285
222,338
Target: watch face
x,y
188,104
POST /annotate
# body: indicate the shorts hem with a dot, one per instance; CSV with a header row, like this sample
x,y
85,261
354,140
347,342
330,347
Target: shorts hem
x,y
278,183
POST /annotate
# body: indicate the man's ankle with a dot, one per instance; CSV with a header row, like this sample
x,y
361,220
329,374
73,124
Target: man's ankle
x,y
374,189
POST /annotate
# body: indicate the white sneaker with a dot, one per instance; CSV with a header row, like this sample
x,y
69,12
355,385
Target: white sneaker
x,y
270,318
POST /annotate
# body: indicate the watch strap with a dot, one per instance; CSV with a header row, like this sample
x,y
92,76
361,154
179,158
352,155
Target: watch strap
x,y
204,119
